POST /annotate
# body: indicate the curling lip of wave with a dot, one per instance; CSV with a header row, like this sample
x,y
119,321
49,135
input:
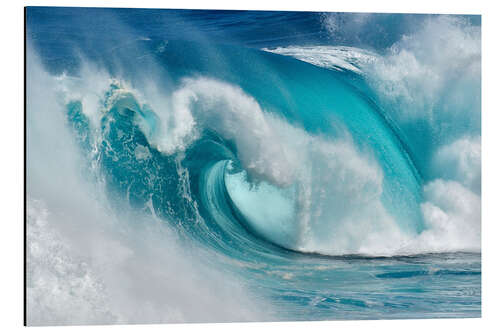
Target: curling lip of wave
x,y
342,58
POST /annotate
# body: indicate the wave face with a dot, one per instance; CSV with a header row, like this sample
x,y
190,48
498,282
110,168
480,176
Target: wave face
x,y
289,169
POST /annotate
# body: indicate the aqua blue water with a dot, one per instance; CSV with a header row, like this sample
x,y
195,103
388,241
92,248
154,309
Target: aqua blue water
x,y
327,161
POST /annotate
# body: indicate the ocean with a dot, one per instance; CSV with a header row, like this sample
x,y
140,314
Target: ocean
x,y
220,166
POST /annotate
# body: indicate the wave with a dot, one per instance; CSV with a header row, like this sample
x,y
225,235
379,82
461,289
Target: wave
x,y
271,154
339,188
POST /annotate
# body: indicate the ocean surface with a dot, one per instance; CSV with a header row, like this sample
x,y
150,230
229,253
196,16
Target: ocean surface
x,y
217,166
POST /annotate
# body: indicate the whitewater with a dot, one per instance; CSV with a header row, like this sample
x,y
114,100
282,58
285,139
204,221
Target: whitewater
x,y
256,179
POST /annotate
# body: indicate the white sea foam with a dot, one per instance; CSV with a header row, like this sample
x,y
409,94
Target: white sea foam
x,y
460,161
206,103
433,74
86,264
332,57
338,188
432,78
453,219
